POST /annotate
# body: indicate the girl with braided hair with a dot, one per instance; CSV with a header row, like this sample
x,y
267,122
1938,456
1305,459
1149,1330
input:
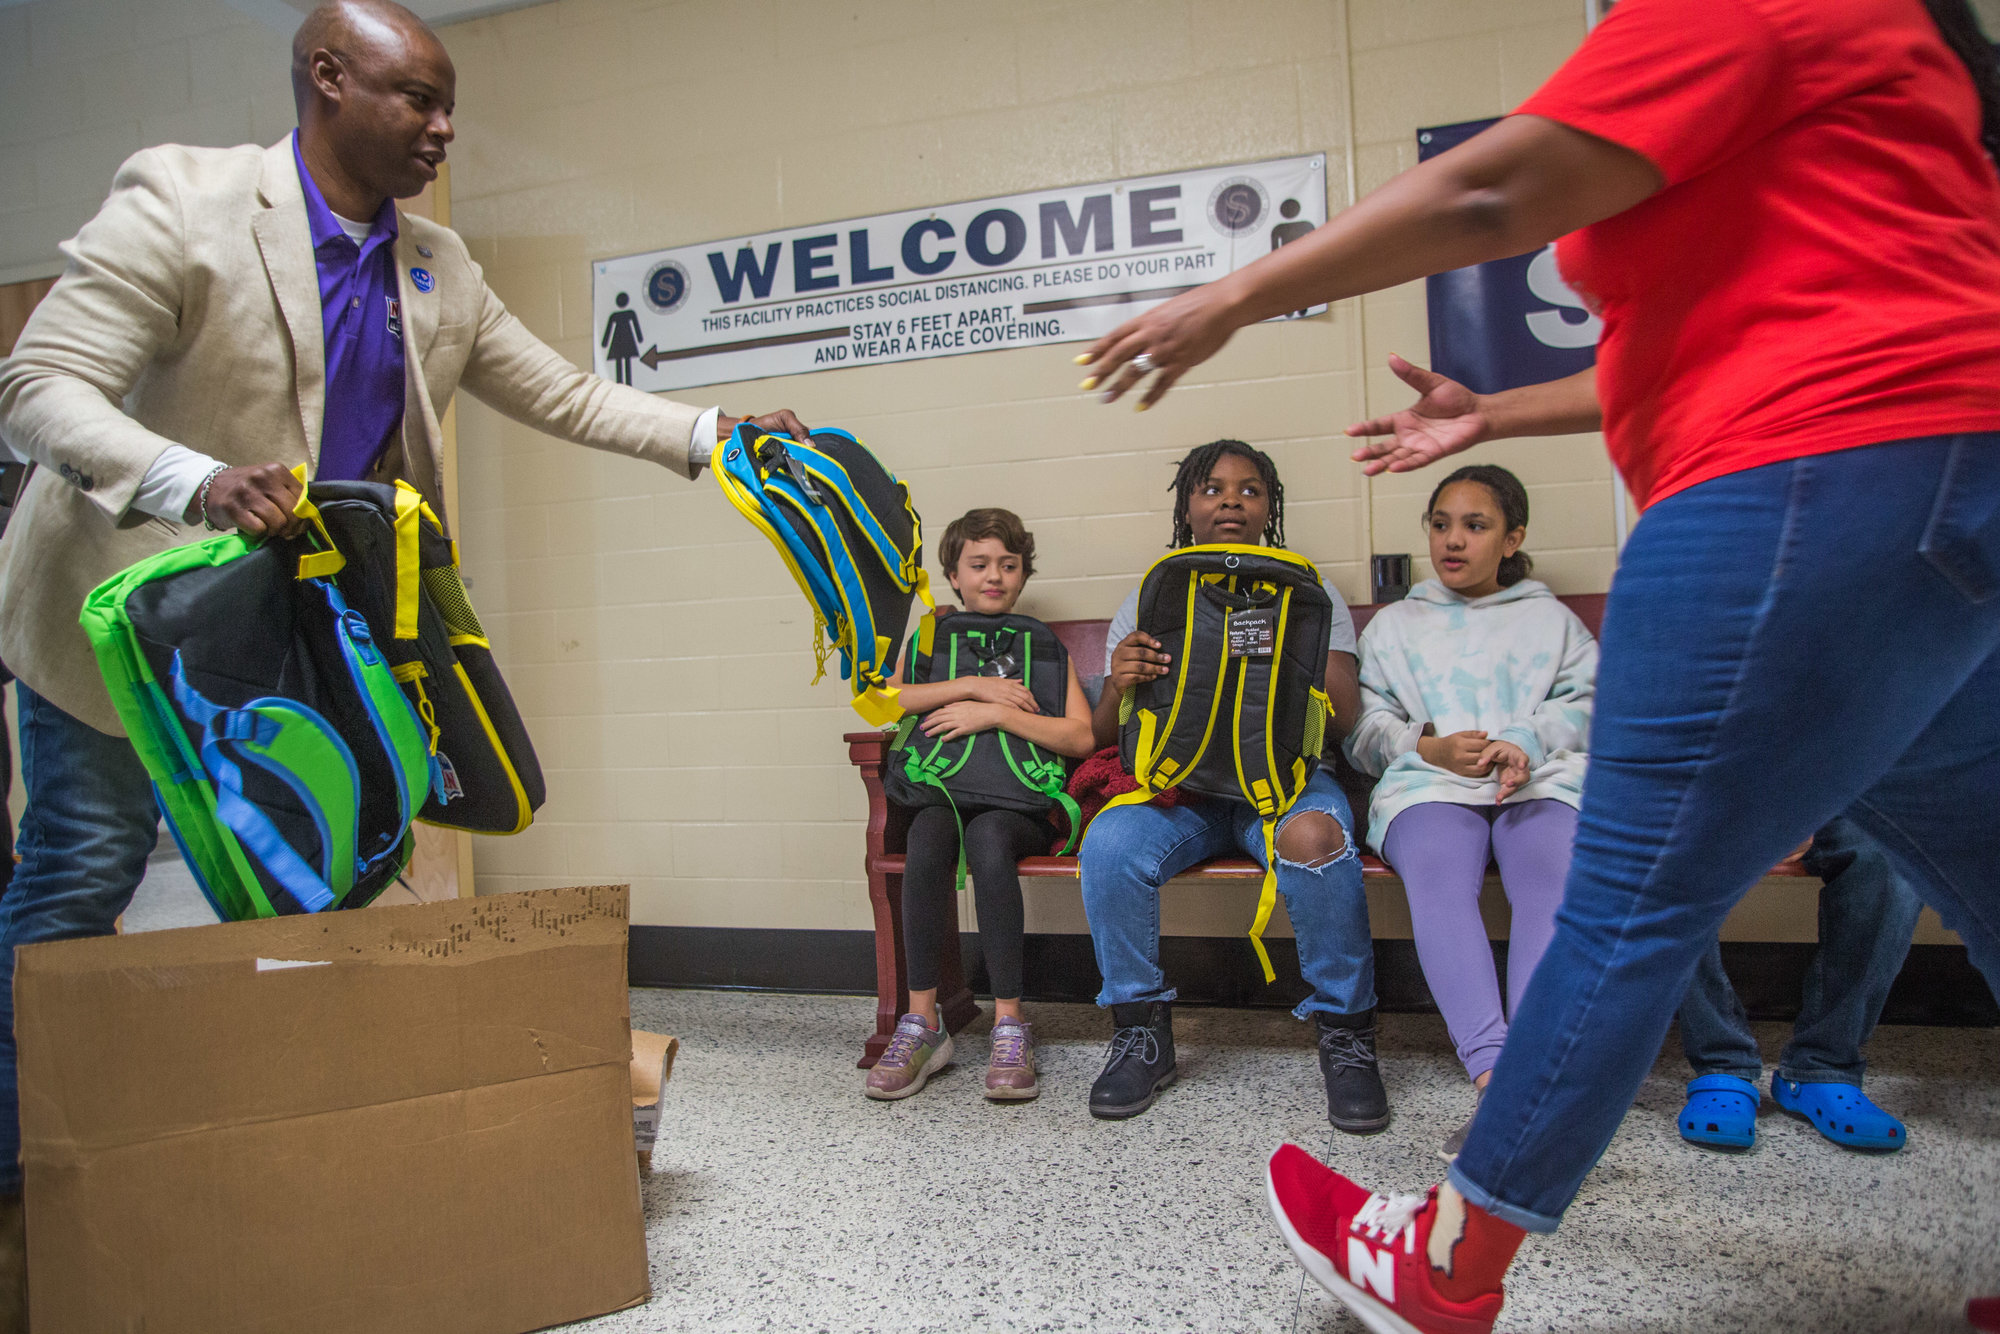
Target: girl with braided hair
x,y
1193,473
1228,492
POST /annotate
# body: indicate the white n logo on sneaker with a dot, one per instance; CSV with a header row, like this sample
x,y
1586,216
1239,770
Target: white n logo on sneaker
x,y
1368,1267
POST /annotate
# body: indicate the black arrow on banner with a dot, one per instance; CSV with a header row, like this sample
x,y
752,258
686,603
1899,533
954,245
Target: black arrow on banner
x,y
652,356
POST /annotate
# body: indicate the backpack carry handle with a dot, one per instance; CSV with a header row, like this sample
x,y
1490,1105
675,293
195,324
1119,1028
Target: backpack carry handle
x,y
771,452
1260,596
327,560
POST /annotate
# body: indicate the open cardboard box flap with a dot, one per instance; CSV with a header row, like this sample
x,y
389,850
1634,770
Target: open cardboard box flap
x,y
400,1118
652,1066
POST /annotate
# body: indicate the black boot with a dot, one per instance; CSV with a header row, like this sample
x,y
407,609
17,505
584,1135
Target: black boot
x,y
1140,1062
1356,1102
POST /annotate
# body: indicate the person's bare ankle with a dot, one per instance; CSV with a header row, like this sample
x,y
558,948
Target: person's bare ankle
x,y
1469,1249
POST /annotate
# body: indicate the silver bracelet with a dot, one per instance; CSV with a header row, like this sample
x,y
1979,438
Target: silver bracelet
x,y
202,496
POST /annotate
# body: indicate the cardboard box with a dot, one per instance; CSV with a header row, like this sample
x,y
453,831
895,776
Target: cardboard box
x,y
411,1118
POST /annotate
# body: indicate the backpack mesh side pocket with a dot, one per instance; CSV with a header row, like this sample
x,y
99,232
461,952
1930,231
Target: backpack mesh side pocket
x,y
447,593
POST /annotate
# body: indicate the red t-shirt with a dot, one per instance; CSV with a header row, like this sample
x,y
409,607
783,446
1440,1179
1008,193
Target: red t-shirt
x,y
1822,269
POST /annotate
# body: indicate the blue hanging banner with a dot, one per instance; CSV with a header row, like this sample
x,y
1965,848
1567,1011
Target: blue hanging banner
x,y
1508,322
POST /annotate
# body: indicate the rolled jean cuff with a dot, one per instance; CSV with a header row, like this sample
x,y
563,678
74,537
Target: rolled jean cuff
x,y
1749,1074
1507,1213
1313,1005
1809,1075
1105,1001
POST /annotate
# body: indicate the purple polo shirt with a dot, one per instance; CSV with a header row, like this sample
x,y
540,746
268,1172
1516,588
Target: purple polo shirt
x,y
362,319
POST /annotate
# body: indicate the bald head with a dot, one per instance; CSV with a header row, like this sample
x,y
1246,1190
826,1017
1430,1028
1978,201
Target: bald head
x,y
375,91
354,30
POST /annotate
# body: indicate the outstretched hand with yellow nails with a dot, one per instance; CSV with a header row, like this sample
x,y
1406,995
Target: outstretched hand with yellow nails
x,y
1166,342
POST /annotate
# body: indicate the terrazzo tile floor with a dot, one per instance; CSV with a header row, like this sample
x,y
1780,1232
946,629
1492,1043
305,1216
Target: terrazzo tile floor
x,y
782,1200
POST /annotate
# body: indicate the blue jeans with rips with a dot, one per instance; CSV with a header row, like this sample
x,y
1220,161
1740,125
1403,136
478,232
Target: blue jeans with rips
x,y
1866,918
1130,851
1782,645
90,821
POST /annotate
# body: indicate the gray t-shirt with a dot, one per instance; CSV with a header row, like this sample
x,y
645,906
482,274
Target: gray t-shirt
x,y
1339,637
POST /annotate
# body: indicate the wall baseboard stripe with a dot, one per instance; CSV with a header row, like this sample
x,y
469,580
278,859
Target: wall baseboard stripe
x,y
1938,985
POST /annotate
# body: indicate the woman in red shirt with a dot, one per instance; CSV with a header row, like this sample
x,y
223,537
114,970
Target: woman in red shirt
x,y
1787,214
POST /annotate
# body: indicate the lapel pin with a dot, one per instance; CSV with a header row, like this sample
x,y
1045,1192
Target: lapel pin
x,y
424,250
422,280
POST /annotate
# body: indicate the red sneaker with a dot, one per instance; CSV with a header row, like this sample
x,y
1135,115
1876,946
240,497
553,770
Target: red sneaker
x,y
1983,1313
1368,1250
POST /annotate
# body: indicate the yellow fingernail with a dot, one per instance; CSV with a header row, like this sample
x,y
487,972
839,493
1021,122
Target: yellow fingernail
x,y
1089,383
1083,360
1141,405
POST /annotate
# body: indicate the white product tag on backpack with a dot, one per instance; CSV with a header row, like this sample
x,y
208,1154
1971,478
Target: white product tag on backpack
x,y
1253,634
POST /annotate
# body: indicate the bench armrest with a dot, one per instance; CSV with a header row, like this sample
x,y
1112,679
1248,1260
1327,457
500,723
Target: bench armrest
x,y
888,825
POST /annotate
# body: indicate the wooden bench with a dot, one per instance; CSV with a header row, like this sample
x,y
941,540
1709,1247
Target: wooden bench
x,y
889,827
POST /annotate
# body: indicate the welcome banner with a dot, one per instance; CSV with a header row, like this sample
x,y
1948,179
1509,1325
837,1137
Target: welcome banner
x,y
1052,266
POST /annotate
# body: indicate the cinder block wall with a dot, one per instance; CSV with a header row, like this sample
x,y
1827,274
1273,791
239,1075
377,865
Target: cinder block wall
x,y
656,644
84,84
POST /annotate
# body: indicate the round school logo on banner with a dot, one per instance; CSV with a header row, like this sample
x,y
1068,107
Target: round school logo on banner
x,y
667,287
1237,205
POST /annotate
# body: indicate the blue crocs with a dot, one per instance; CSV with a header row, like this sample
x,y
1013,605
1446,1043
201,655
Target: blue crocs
x,y
1842,1113
1721,1112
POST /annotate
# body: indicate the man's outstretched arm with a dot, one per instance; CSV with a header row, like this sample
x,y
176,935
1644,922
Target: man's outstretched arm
x,y
519,375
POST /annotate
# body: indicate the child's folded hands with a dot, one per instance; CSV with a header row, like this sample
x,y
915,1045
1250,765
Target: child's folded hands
x,y
964,718
1513,765
1458,752
1000,690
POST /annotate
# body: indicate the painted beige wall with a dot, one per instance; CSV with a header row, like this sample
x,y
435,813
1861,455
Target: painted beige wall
x,y
654,641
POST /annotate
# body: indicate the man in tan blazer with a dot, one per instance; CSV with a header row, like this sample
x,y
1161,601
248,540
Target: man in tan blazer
x,y
227,315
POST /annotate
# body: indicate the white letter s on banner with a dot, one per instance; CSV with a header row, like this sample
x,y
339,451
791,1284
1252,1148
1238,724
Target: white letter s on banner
x,y
1548,326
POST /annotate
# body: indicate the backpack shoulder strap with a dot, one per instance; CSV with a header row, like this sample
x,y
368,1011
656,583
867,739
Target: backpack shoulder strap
x,y
1168,749
297,746
401,735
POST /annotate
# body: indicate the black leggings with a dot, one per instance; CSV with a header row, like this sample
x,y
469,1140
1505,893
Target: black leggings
x,y
995,841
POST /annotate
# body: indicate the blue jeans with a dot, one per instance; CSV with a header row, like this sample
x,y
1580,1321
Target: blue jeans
x,y
90,822
1866,918
1130,851
1781,645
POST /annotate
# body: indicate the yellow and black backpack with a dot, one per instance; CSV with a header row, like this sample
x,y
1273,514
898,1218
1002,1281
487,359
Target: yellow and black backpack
x,y
399,570
1242,711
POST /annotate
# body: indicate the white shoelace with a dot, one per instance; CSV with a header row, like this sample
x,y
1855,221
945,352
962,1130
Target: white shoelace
x,y
1387,1215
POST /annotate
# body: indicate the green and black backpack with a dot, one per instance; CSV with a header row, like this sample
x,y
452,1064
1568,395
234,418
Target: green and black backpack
x,y
1242,712
988,769
287,761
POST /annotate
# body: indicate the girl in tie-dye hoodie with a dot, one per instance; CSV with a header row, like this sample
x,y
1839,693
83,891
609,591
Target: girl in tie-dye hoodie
x,y
1475,694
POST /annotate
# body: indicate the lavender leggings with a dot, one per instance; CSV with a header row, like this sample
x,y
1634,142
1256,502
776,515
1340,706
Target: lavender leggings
x,y
1440,850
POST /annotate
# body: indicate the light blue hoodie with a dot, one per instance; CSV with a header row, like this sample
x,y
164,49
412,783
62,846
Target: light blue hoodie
x,y
1516,664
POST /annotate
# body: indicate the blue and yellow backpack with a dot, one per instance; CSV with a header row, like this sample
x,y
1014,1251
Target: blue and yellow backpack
x,y
851,538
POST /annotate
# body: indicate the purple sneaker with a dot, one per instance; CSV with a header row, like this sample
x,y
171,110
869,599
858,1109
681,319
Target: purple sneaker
x,y
1010,1072
914,1054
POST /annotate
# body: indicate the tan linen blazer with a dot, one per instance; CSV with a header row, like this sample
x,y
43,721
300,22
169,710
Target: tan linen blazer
x,y
189,313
